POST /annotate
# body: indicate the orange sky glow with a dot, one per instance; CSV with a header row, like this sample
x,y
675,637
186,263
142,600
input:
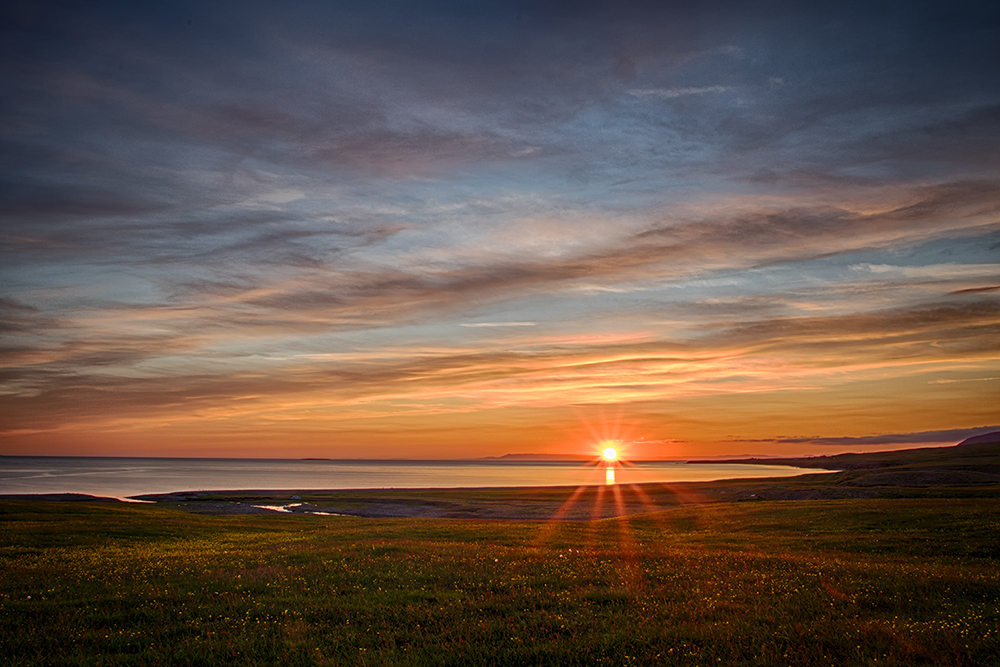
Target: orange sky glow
x,y
426,234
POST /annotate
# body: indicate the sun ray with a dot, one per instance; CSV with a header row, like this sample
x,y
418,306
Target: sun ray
x,y
653,511
626,541
646,500
596,513
550,526
688,495
685,494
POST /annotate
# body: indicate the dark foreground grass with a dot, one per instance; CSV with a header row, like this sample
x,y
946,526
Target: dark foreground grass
x,y
855,582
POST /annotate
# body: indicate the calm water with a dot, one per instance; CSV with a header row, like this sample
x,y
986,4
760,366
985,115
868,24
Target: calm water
x,y
123,477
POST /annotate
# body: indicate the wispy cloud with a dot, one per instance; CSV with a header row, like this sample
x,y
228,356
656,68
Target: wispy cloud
x,y
765,356
937,271
671,93
497,324
976,290
950,381
949,436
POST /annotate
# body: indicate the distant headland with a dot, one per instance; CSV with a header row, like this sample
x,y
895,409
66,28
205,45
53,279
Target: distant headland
x,y
537,457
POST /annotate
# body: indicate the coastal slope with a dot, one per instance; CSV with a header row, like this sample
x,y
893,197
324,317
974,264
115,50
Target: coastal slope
x,y
972,461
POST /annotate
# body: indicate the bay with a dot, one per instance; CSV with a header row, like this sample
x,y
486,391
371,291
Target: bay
x,y
125,477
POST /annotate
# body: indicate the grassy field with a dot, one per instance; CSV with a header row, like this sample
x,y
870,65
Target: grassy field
x,y
905,581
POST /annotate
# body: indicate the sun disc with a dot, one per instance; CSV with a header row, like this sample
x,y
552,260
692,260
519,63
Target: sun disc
x,y
610,454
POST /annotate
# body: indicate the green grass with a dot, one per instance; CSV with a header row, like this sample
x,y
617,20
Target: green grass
x,y
852,582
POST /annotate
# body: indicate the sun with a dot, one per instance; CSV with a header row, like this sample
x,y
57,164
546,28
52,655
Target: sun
x,y
610,454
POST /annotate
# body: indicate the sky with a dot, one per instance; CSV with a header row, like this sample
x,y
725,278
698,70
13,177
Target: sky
x,y
457,229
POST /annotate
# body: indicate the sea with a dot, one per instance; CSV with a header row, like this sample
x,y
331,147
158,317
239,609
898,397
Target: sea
x,y
127,477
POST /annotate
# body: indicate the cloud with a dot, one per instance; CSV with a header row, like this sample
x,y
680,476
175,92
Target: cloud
x,y
932,332
671,93
990,379
178,377
49,203
20,318
919,438
497,324
265,272
976,290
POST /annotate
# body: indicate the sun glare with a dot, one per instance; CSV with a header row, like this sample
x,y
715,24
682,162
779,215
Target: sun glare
x,y
610,454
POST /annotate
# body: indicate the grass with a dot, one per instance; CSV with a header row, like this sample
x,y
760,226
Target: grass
x,y
908,581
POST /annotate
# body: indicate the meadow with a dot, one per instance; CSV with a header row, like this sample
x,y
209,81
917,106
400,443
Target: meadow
x,y
886,581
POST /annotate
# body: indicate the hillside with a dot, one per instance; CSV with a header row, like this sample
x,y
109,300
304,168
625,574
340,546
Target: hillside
x,y
972,461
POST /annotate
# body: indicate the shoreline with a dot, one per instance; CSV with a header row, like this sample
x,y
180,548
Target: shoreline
x,y
552,503
961,471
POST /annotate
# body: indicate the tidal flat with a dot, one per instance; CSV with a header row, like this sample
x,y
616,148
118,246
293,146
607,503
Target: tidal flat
x,y
854,581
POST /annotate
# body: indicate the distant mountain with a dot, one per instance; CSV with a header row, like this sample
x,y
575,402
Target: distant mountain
x,y
538,457
60,497
983,439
